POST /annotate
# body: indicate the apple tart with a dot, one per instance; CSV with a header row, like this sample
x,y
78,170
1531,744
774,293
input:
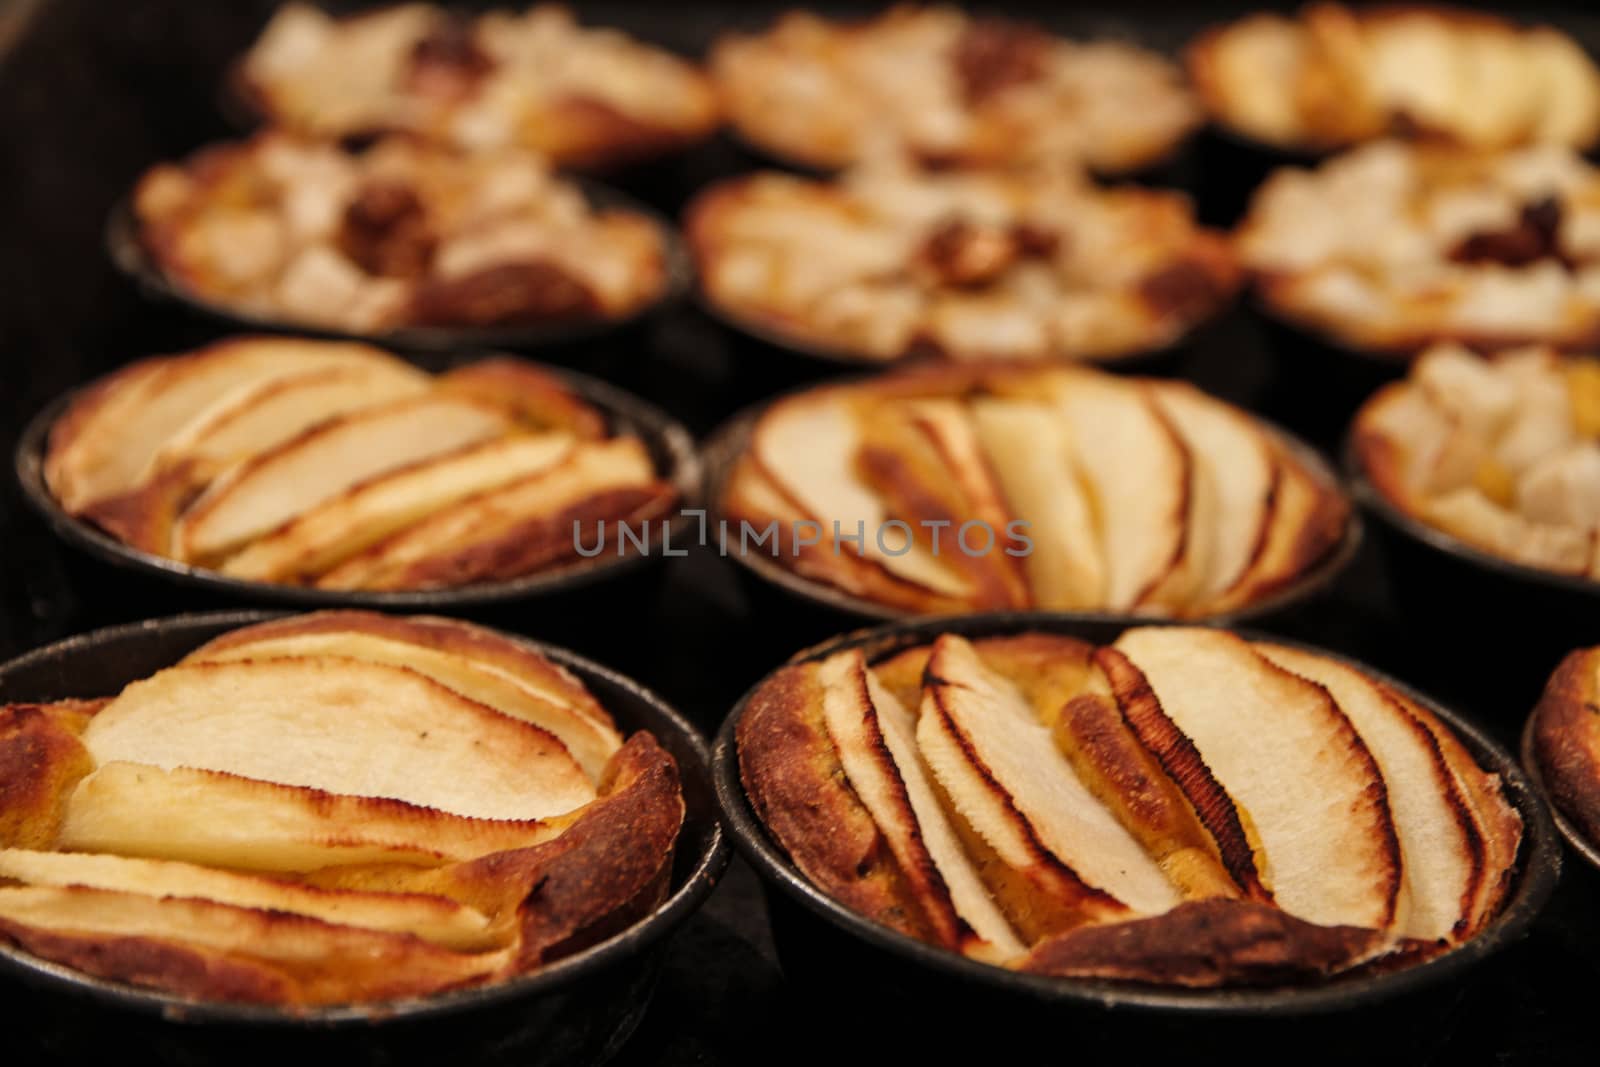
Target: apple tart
x,y
535,80
339,466
1337,75
1390,247
1502,453
396,235
1182,807
1566,742
949,89
886,262
331,808
950,490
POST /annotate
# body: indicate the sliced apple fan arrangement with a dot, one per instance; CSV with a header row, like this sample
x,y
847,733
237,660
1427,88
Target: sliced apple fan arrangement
x,y
1181,807
342,467
331,808
1138,495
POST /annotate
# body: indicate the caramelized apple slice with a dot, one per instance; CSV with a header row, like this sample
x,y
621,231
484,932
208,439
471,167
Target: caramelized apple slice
x,y
1138,473
516,527
275,486
1307,521
326,962
432,918
876,739
317,721
225,820
41,760
314,542
104,444
1065,857
1234,470
1498,823
1440,852
1291,761
809,448
590,742
485,647
1030,450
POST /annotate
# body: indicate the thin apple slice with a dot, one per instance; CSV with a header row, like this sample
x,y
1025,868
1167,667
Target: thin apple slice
x,y
487,648
1030,451
104,444
275,486
1307,521
809,447
876,739
1294,766
319,539
225,820
1138,473
1440,852
317,721
329,963
432,918
534,395
1498,824
922,457
590,742
1235,471
512,528
1004,775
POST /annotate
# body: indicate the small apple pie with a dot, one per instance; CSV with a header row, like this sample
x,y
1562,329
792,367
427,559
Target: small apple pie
x,y
949,89
536,80
886,262
1502,453
1338,75
393,236
1566,741
1390,247
329,809
341,467
1182,807
955,489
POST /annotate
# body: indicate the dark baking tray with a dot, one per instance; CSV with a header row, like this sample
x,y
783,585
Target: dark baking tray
x,y
580,1009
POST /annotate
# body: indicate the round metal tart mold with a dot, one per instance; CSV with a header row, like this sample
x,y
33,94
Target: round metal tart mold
x,y
720,453
577,1009
839,954
572,340
670,446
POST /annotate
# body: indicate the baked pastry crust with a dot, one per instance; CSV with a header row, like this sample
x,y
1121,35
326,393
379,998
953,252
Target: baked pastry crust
x,y
1121,510
1500,452
395,235
885,262
303,462
344,929
1566,740
1390,247
1415,848
948,89
535,80
1336,75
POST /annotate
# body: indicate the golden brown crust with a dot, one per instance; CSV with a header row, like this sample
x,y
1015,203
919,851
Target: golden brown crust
x,y
187,970
1205,944
41,760
792,775
1566,738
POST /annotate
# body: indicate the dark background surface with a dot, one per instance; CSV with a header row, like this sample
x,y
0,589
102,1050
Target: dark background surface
x,y
92,93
